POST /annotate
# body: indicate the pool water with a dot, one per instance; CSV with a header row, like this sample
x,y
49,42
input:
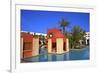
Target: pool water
x,y
82,54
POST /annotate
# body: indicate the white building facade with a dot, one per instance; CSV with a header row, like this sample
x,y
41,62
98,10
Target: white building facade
x,y
87,37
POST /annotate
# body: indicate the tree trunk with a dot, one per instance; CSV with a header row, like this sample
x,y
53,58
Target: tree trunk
x,y
63,30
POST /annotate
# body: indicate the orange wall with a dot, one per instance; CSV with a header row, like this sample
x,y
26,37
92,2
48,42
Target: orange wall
x,y
27,38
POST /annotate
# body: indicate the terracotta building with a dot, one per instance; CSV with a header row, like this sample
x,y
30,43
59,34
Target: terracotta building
x,y
29,45
57,42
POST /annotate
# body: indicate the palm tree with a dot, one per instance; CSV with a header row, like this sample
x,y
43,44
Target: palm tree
x,y
76,35
63,23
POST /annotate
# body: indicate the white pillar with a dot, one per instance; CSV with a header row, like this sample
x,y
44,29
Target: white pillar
x,y
67,45
21,48
86,41
35,50
59,43
49,46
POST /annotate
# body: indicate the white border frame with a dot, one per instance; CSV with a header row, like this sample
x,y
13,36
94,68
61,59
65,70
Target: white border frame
x,y
16,66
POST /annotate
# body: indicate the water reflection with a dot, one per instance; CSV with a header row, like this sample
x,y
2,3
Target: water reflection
x,y
83,54
72,55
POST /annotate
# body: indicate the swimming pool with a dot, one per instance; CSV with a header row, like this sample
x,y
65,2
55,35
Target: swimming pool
x,y
82,54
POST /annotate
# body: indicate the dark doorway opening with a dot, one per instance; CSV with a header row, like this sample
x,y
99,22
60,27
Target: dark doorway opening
x,y
64,48
54,47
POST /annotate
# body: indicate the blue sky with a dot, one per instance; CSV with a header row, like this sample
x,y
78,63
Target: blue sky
x,y
41,21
